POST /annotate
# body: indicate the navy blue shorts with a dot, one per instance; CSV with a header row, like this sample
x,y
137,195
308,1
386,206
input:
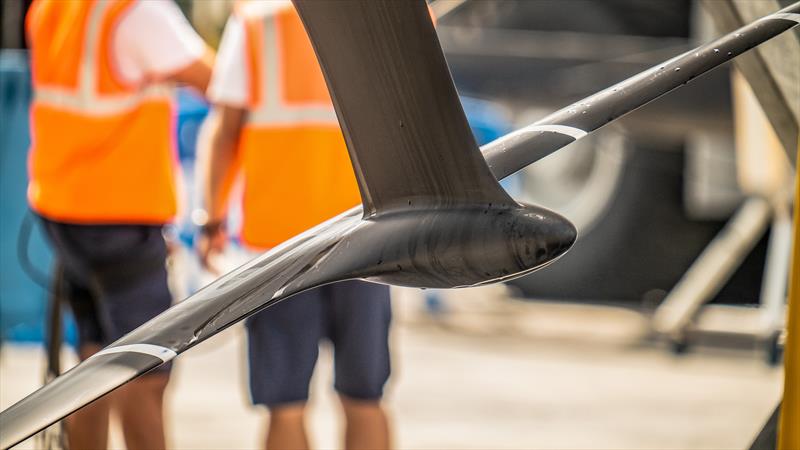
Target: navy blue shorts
x,y
114,277
283,343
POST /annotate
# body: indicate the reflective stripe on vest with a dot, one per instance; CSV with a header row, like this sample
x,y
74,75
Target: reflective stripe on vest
x,y
86,99
272,110
296,168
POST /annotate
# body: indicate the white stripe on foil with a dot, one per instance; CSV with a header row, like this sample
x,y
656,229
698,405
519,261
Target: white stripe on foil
x,y
158,351
575,133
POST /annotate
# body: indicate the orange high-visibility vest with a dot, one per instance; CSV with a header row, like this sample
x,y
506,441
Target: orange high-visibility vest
x,y
101,150
297,172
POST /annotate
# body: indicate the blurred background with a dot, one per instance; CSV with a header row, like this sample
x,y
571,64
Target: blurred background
x,y
632,340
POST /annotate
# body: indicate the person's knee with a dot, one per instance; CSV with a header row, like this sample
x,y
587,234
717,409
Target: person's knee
x,y
155,383
150,386
288,412
354,407
361,385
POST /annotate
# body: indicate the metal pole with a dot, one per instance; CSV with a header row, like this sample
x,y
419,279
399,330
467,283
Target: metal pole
x,y
789,431
712,269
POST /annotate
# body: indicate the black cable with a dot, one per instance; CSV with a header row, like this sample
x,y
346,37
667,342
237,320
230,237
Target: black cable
x,y
23,241
52,438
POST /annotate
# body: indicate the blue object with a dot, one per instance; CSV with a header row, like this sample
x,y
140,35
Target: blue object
x,y
192,110
23,303
488,122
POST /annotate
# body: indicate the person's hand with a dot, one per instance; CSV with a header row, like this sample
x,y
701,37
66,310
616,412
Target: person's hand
x,y
211,241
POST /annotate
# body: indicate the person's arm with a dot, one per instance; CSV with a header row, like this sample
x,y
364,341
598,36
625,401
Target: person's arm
x,y
217,166
196,74
154,42
218,142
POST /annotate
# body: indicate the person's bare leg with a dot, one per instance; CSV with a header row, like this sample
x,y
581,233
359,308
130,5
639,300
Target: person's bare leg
x,y
287,428
367,426
140,405
87,428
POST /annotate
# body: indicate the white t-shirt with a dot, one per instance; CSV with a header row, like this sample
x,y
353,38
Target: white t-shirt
x,y
153,39
229,81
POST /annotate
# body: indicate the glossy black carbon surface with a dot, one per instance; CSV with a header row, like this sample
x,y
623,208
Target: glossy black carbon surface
x,y
408,138
459,241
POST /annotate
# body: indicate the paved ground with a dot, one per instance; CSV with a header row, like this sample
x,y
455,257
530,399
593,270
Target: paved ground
x,y
518,376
